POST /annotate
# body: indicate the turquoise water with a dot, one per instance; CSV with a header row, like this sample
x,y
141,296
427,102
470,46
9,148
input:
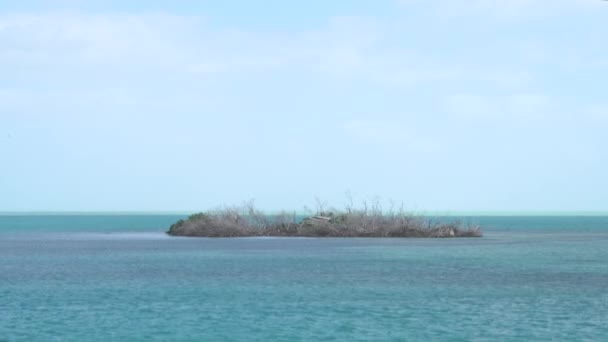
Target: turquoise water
x,y
106,278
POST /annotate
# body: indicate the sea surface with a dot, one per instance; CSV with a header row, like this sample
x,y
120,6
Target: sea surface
x,y
120,278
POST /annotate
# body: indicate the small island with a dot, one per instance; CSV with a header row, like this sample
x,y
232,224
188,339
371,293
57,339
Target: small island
x,y
247,221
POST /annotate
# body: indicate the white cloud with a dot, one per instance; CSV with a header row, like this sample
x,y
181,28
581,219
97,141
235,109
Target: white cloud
x,y
508,106
72,39
597,112
470,106
163,40
74,57
73,44
377,131
529,105
506,8
387,133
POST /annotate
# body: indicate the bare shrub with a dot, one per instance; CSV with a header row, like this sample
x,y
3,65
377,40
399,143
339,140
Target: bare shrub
x,y
368,221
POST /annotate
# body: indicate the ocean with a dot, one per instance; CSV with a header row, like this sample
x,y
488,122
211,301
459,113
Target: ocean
x,y
120,278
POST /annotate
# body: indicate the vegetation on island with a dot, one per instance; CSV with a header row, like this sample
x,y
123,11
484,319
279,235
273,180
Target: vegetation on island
x,y
367,221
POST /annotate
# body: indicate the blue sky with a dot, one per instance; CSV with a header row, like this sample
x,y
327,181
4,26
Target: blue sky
x,y
184,105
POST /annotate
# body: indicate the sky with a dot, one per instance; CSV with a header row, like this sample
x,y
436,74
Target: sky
x,y
478,105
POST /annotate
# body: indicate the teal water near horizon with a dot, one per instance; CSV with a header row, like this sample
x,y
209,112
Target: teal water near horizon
x,y
120,278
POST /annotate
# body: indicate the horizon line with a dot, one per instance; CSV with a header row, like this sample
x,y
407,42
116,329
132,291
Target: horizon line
x,y
299,212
